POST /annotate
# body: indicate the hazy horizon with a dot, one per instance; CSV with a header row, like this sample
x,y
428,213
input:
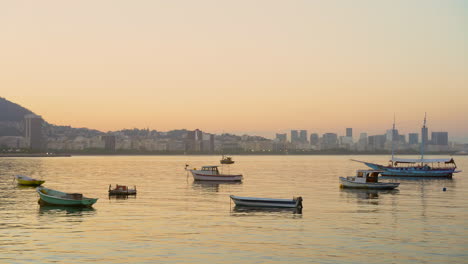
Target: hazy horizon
x,y
260,67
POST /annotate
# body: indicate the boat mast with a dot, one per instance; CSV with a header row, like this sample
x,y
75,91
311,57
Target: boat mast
x,y
393,135
423,141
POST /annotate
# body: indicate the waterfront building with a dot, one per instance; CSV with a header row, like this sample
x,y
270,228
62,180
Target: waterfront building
x,y
109,142
314,139
439,138
303,136
33,132
413,138
424,135
329,141
349,132
294,136
376,142
281,137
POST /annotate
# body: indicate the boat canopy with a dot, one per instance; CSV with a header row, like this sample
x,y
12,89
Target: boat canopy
x,y
397,160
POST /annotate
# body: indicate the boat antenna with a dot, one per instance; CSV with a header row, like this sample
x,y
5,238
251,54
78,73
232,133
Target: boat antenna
x,y
393,135
423,140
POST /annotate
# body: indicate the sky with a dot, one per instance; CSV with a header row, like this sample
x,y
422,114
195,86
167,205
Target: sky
x,y
259,67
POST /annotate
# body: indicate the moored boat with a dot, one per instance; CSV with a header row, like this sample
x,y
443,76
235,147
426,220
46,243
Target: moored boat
x,y
367,179
296,202
226,160
416,167
28,181
122,190
54,197
211,173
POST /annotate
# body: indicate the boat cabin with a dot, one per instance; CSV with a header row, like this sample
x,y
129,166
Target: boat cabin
x,y
364,176
210,170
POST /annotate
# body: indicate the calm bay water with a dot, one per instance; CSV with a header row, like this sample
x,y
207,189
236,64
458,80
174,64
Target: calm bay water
x,y
175,220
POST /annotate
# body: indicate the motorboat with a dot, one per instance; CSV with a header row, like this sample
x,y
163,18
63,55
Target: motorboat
x,y
28,181
367,179
211,173
54,197
226,160
122,190
295,202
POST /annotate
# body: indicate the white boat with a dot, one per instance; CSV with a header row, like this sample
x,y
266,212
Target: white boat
x,y
211,173
296,202
366,179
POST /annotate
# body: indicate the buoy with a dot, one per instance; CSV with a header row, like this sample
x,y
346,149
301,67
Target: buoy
x,y
444,189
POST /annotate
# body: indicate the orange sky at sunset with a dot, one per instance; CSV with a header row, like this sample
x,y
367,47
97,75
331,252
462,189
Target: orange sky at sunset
x,y
260,67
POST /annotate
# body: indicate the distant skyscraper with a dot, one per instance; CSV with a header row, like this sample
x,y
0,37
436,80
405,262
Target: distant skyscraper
x,y
329,141
33,132
424,134
303,136
349,132
294,136
314,139
413,138
439,138
281,137
109,142
376,142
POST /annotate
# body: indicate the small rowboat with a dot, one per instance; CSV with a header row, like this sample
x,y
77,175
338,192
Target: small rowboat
x,y
367,179
122,190
296,202
53,197
28,181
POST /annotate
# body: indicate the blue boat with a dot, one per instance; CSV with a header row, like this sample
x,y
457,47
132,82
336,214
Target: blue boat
x,y
54,197
444,168
416,167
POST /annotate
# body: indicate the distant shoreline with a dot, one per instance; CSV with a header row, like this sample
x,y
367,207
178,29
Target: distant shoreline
x,y
43,155
31,155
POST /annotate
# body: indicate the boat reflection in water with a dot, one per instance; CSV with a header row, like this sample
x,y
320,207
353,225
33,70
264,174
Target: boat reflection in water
x,y
212,186
46,209
367,193
244,210
122,197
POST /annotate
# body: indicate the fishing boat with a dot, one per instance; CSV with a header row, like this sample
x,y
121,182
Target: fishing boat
x,y
28,181
295,202
415,167
211,173
54,197
226,160
122,190
367,179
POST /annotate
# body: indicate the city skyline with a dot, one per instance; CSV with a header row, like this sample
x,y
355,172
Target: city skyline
x,y
256,68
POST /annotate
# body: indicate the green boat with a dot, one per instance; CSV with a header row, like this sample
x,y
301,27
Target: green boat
x,y
53,197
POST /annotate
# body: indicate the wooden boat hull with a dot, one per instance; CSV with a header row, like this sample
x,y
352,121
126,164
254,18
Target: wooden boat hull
x,y
53,197
121,192
26,181
267,202
198,176
368,185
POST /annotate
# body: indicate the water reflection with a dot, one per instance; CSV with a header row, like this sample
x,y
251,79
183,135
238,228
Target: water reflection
x,y
211,186
65,210
122,197
251,209
366,194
